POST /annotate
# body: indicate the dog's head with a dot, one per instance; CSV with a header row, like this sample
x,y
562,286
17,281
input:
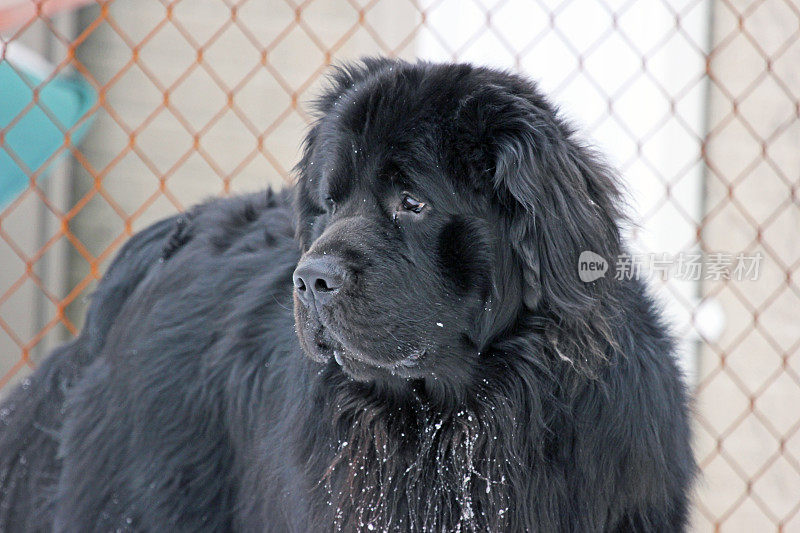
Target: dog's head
x,y
438,205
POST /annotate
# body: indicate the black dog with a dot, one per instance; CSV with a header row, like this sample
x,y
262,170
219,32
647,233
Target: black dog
x,y
453,373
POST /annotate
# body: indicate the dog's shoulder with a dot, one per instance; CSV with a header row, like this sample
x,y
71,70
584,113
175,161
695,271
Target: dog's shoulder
x,y
231,225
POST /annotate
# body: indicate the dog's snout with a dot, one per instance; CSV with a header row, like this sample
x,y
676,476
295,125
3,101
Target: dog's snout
x,y
318,279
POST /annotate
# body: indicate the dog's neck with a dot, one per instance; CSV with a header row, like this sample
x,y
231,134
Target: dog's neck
x,y
402,458
401,464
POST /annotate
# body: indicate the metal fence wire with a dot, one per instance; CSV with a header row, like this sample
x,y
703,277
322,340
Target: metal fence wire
x,y
697,100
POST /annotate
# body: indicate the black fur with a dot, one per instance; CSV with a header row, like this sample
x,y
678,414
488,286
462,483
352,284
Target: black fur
x,y
479,385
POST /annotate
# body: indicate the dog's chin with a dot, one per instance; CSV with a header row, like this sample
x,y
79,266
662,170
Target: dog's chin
x,y
359,370
322,347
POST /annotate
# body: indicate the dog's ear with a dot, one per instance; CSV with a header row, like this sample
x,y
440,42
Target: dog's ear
x,y
559,198
347,76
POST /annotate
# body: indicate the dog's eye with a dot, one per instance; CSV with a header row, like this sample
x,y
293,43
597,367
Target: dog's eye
x,y
330,205
411,204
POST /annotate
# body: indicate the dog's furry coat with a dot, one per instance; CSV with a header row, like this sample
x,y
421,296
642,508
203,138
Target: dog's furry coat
x,y
187,403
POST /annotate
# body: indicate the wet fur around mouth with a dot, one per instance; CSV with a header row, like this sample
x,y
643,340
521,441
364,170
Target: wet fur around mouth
x,y
197,396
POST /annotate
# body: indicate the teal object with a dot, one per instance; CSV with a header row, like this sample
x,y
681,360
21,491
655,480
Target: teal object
x,y
35,137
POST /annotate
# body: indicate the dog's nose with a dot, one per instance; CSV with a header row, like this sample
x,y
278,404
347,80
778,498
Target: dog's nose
x,y
318,279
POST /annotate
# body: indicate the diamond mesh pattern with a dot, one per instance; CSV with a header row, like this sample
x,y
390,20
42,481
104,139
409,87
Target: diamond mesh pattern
x,y
206,97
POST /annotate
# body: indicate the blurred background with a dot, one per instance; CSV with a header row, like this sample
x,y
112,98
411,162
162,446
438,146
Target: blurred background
x,y
114,114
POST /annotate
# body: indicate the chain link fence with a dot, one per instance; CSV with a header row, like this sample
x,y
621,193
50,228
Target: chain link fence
x,y
697,103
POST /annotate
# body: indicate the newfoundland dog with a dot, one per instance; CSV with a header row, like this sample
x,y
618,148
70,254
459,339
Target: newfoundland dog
x,y
400,343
